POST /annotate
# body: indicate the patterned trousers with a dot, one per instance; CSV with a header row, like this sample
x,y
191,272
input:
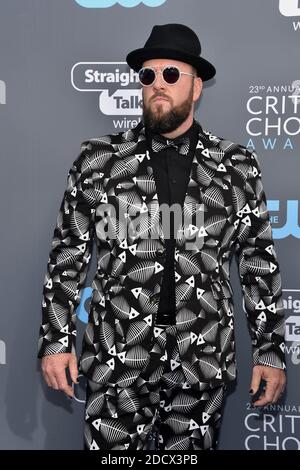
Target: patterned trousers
x,y
159,411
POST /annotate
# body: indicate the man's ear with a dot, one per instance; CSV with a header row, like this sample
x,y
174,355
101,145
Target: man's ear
x,y
198,84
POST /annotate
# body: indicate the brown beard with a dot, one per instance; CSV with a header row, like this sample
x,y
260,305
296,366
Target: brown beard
x,y
169,121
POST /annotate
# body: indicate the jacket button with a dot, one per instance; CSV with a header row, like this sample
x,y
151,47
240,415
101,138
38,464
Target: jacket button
x,y
153,298
160,251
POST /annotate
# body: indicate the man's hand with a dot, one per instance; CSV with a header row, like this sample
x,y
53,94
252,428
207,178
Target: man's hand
x,y
275,383
54,371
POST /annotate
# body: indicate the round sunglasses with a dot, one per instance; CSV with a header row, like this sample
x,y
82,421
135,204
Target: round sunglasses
x,y
171,74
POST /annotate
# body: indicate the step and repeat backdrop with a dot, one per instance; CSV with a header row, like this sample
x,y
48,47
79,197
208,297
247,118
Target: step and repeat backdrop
x,y
64,79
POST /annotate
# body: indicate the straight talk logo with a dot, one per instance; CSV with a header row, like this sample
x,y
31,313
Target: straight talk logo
x,y
2,92
291,303
2,352
291,8
118,88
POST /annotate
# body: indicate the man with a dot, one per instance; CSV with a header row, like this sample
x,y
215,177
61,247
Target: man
x,y
158,350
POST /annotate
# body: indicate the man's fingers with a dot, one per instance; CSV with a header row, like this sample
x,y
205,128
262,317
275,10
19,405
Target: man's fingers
x,y
277,395
61,383
61,379
52,380
47,380
54,371
255,382
272,388
260,402
49,375
68,391
275,379
279,390
73,369
263,400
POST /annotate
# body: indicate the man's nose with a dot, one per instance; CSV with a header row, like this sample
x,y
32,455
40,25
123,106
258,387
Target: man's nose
x,y
159,82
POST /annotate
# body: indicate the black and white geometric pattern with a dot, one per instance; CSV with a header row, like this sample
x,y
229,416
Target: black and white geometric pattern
x,y
111,186
160,411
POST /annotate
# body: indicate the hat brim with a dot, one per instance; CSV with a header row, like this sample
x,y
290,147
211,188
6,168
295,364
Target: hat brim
x,y
136,58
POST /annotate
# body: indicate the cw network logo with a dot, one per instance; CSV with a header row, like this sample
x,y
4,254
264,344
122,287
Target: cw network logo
x,y
84,306
2,92
291,226
289,7
123,3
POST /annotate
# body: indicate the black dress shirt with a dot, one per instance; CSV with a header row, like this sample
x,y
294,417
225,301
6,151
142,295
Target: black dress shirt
x,y
171,160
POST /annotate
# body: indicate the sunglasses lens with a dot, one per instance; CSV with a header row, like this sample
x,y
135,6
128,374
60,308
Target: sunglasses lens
x,y
146,76
171,75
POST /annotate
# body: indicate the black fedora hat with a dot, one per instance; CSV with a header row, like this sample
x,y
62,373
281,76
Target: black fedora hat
x,y
172,41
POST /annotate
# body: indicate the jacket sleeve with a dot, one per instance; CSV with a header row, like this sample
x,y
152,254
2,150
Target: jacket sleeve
x,y
68,263
259,272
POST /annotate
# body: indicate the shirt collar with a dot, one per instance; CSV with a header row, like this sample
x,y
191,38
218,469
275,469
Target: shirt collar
x,y
182,143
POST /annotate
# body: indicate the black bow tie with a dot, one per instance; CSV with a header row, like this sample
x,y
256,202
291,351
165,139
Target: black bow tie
x,y
181,144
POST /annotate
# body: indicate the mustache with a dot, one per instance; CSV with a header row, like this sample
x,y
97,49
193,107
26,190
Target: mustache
x,y
159,96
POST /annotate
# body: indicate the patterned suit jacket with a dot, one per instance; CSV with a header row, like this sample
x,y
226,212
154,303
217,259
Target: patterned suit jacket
x,y
111,189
